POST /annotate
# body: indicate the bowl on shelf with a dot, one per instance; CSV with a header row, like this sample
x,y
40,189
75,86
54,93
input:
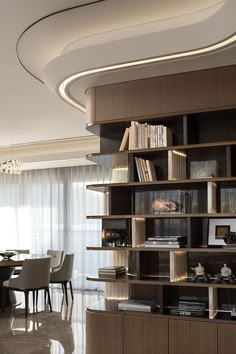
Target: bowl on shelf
x,y
7,254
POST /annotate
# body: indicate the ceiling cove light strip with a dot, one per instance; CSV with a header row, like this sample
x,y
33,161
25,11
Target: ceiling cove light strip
x,y
63,88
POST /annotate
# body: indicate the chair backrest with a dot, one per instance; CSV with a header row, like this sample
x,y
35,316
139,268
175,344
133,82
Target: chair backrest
x,y
64,273
56,257
21,251
35,273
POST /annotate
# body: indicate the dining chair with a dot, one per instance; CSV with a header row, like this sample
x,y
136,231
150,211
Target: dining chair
x,y
35,275
56,258
63,275
19,251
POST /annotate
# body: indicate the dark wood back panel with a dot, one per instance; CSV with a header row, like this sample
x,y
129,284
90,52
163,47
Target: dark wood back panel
x,y
164,95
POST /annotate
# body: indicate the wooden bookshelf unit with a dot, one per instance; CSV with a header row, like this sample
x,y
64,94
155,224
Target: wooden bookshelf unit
x,y
199,110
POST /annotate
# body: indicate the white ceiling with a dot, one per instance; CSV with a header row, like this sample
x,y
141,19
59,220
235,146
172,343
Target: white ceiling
x,y
31,114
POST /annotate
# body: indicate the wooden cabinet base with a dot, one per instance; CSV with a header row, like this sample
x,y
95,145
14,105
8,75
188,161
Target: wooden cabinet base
x,y
141,334
189,337
145,335
104,333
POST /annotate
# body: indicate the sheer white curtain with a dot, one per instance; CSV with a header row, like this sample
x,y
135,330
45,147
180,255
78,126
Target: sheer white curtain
x,y
43,209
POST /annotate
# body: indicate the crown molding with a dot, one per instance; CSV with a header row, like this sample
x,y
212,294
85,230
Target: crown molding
x,y
56,153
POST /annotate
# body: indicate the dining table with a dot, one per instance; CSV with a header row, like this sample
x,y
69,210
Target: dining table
x,y
7,266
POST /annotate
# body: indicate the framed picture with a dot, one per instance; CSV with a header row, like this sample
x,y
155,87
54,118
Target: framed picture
x,y
218,228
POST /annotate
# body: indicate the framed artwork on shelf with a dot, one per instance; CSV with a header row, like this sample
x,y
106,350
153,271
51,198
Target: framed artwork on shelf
x,y
218,229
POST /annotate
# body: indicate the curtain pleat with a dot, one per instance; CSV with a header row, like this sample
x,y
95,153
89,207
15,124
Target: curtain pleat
x,y
46,209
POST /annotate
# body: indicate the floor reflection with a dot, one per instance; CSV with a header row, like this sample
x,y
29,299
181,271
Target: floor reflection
x,y
59,332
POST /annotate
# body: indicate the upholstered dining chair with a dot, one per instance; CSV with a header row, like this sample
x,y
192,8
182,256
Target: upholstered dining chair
x,y
56,258
35,275
63,275
19,251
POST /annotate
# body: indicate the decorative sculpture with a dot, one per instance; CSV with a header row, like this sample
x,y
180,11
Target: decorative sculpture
x,y
200,273
230,238
164,206
225,275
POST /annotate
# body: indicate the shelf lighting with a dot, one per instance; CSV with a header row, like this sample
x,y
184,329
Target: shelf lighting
x,y
179,153
63,88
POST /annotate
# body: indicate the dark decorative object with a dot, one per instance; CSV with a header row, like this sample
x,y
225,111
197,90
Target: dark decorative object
x,y
7,254
230,238
200,274
225,275
203,169
114,238
189,306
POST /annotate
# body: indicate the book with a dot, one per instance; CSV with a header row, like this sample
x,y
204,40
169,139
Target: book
x,y
125,140
138,305
166,238
111,271
167,139
133,135
138,232
144,170
139,169
211,197
112,268
148,242
111,276
151,170
144,136
162,245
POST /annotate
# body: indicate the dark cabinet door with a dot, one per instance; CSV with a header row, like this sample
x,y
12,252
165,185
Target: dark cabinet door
x,y
104,333
226,339
144,335
189,337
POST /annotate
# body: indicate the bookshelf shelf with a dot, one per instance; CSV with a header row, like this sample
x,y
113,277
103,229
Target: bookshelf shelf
x,y
145,249
164,216
202,187
153,281
105,159
178,183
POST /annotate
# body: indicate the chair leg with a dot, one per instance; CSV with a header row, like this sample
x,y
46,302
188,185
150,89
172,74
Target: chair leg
x,y
37,296
3,291
65,290
71,291
49,299
26,302
33,294
45,297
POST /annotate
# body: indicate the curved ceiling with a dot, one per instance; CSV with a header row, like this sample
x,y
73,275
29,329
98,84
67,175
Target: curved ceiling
x,y
92,41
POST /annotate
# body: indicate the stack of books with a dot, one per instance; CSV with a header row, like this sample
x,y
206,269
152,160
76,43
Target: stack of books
x,y
145,136
189,306
138,305
166,241
146,170
111,271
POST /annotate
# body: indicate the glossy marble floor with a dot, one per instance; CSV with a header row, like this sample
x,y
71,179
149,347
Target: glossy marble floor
x,y
59,332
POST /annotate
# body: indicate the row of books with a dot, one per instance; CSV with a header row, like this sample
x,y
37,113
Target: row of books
x,y
144,136
146,170
166,241
111,271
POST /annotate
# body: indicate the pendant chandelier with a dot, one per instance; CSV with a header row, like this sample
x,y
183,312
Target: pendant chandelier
x,y
11,166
